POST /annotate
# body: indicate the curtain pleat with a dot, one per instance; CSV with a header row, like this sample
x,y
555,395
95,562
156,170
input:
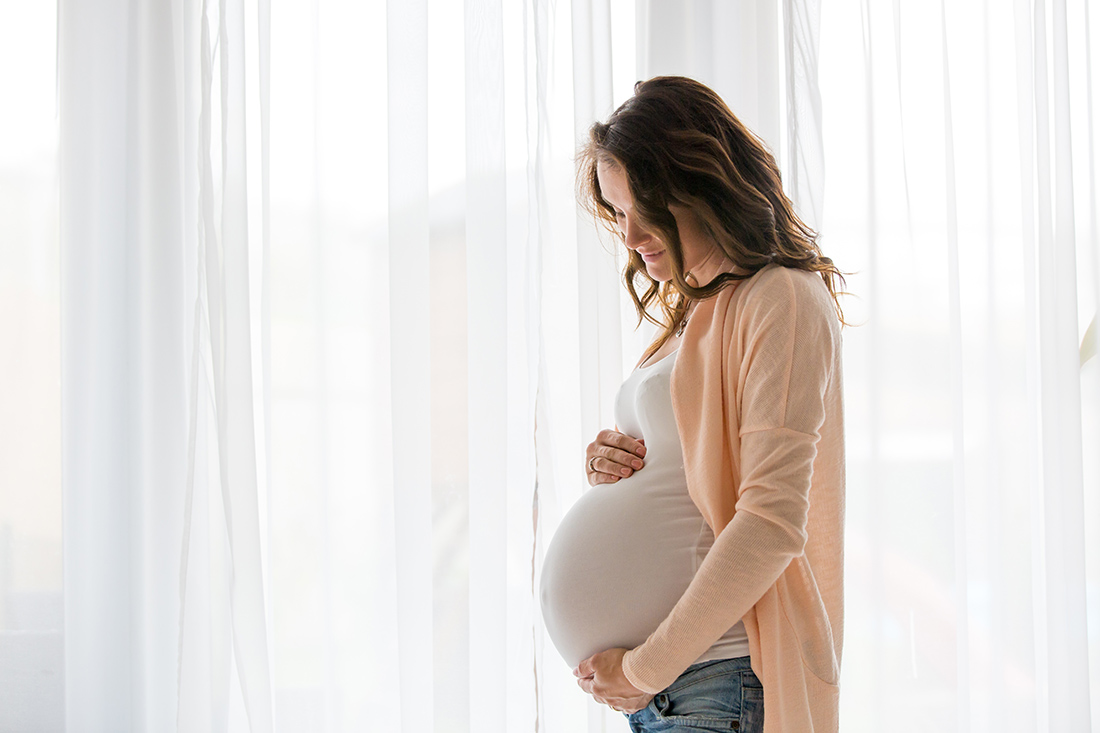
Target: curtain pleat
x,y
806,166
410,356
238,628
1055,269
123,371
959,497
1090,365
487,285
97,648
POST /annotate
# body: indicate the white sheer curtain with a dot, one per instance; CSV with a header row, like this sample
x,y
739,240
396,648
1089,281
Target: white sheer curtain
x,y
961,191
333,338
319,273
165,612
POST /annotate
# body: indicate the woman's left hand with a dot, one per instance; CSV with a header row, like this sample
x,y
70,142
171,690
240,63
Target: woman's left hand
x,y
601,676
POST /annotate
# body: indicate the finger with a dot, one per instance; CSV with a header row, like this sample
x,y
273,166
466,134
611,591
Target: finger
x,y
624,458
607,436
613,467
613,460
605,470
595,476
628,444
585,669
621,441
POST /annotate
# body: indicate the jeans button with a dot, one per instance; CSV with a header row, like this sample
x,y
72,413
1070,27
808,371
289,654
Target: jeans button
x,y
735,725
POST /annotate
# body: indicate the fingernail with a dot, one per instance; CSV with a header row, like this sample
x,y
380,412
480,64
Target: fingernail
x,y
636,463
625,472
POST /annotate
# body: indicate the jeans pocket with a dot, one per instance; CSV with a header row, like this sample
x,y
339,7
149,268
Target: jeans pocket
x,y
752,704
707,703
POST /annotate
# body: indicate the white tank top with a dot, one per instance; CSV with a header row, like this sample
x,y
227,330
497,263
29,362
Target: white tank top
x,y
625,552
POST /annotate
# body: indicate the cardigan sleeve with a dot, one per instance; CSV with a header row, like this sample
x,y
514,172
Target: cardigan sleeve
x,y
780,361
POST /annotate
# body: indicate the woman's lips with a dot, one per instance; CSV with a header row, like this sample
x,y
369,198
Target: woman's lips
x,y
653,256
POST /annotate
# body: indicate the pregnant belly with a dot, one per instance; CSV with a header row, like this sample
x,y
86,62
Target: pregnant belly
x,y
619,561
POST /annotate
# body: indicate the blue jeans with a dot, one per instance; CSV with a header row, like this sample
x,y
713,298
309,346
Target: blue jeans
x,y
709,696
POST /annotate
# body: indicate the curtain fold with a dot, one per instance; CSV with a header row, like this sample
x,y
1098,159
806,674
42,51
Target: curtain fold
x,y
487,285
122,368
804,162
226,344
410,355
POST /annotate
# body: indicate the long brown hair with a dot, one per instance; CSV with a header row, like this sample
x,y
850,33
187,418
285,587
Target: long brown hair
x,y
679,144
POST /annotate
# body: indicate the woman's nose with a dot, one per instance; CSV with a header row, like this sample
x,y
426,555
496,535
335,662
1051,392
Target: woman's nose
x,y
634,236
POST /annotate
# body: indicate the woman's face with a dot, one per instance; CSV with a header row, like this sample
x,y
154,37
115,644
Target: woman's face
x,y
698,248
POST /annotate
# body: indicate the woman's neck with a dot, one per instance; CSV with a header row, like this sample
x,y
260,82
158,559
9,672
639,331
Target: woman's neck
x,y
713,265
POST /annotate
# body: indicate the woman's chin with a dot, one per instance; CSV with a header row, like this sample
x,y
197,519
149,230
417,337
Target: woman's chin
x,y
658,272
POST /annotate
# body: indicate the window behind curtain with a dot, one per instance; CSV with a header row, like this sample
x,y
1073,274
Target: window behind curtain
x,y
31,642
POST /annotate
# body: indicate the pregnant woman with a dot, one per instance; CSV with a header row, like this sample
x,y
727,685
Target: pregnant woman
x,y
699,584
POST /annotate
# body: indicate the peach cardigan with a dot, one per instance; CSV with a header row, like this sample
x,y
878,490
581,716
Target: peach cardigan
x,y
757,396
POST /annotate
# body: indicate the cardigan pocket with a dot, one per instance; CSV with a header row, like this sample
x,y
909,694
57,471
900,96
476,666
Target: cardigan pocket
x,y
805,612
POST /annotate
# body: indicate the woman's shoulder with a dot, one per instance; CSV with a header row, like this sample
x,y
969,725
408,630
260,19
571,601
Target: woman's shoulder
x,y
782,290
772,297
783,282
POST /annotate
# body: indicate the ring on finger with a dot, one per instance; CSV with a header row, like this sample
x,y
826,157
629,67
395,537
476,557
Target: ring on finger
x,y
591,468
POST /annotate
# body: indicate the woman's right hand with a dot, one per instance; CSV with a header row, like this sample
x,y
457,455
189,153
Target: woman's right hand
x,y
612,456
